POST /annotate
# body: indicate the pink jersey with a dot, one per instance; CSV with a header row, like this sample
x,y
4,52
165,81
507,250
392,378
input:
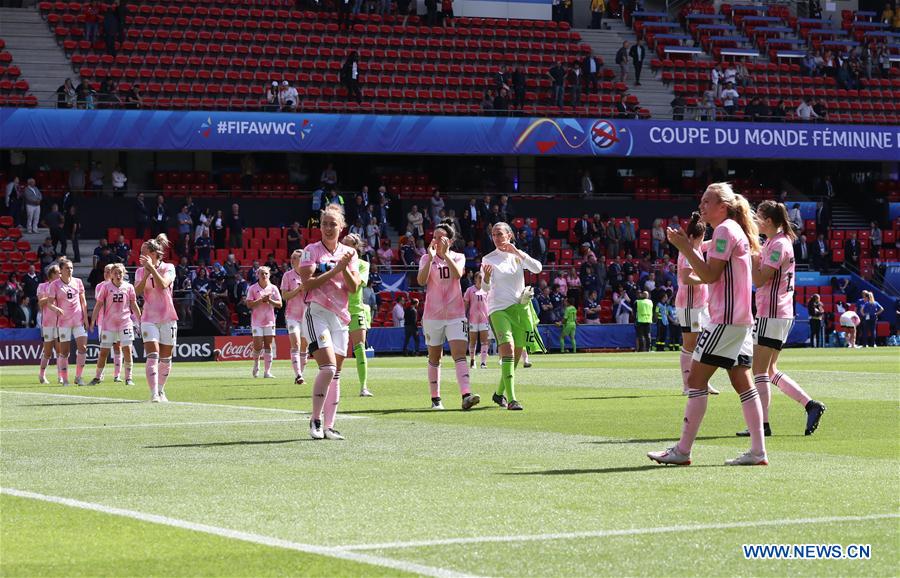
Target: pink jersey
x,y
690,296
98,292
332,295
476,300
116,305
729,299
48,317
158,305
775,299
443,298
295,307
68,298
263,315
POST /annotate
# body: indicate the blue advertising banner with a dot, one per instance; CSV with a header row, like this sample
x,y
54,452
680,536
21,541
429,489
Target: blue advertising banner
x,y
373,134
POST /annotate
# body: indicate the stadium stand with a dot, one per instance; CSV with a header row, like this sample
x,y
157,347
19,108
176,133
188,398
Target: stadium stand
x,y
13,88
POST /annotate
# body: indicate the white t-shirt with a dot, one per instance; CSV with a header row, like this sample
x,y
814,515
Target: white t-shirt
x,y
729,95
118,179
507,278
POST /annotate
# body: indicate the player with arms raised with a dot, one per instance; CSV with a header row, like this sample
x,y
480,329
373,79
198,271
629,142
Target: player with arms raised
x,y
329,273
159,321
444,317
262,299
726,342
116,300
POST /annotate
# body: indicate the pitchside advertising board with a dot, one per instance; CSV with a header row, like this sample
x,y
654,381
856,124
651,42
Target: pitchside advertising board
x,y
28,352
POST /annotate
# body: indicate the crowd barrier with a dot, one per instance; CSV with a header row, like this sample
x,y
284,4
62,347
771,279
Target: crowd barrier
x,y
23,346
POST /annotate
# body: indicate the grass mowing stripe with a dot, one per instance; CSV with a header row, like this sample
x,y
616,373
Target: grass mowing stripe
x,y
140,425
184,403
607,533
414,568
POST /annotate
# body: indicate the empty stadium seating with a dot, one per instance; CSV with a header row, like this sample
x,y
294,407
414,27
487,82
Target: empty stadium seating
x,y
13,88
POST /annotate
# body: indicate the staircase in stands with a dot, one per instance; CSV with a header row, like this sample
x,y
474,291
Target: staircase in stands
x,y
35,51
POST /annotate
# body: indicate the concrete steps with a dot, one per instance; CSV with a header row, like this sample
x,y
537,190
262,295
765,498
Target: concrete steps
x,y
652,94
34,50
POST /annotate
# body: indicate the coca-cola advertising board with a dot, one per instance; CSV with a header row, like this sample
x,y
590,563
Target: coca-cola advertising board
x,y
29,352
240,348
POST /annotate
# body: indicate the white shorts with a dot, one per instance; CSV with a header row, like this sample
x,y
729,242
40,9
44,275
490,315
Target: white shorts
x,y
49,334
771,332
725,346
323,329
263,331
124,337
66,334
479,327
437,330
294,326
165,333
692,320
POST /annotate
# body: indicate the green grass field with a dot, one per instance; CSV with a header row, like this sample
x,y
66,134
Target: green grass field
x,y
95,484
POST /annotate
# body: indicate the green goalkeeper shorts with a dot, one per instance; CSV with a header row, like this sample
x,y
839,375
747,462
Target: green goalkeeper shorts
x,y
359,321
511,325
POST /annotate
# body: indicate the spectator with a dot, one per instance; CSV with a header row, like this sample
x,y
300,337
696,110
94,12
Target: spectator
x,y
628,235
416,219
357,228
487,102
272,97
518,88
729,100
294,238
574,77
501,79
411,326
501,102
659,242
91,15
539,246
385,256
557,76
55,220
678,105
160,216
141,216
13,199
431,16
329,177
820,109
47,254
852,252
816,311
545,307
76,178
235,228
219,229
185,223
66,96
591,309
110,30
796,217
801,250
102,246
119,181
638,53
350,76
622,306
204,246
437,205
32,197
72,232
598,7
875,240
287,97
756,110
121,249
716,79
96,176
808,64
397,311
730,74
447,12
622,61
805,112
707,108
613,235
131,98
344,8
21,313
587,185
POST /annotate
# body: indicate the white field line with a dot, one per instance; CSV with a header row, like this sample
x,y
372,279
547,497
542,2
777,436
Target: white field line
x,y
186,403
609,533
269,541
143,425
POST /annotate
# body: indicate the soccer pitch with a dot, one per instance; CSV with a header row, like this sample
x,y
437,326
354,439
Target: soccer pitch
x,y
226,482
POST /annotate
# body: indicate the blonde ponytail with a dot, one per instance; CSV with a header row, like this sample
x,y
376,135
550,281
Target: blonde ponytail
x,y
158,245
739,211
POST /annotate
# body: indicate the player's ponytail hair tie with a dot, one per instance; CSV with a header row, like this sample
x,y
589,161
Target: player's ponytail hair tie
x,y
446,226
696,228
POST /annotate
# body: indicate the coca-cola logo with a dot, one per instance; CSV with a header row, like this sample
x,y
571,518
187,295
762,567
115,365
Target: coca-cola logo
x,y
230,351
